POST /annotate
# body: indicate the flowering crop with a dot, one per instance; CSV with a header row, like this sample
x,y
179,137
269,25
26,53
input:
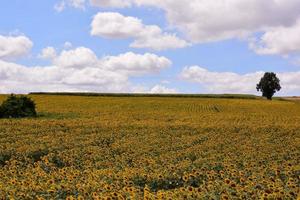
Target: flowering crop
x,y
152,148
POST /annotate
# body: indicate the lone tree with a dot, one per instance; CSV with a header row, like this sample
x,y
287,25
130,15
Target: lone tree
x,y
17,107
268,85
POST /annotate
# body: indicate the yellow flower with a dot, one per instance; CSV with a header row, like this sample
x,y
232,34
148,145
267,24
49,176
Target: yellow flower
x,y
80,197
185,178
70,198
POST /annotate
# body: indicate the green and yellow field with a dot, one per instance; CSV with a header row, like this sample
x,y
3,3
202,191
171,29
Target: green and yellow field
x,y
152,148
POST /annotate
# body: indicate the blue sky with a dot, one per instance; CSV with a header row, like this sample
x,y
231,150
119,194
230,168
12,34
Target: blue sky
x,y
229,58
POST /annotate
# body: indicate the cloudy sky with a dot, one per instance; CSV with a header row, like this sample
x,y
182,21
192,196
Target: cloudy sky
x,y
148,46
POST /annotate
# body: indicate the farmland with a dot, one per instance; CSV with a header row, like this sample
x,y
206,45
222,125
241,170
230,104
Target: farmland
x,y
82,147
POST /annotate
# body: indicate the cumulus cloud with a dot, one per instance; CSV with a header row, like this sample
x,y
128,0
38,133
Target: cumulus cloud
x,y
209,21
156,89
116,26
161,89
22,79
280,40
79,70
76,58
127,63
12,47
205,20
136,64
48,53
229,82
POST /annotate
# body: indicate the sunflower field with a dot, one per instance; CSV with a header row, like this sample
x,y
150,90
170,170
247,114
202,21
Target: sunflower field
x,y
152,148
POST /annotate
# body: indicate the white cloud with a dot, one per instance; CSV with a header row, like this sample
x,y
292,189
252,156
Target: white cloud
x,y
77,3
136,64
48,53
280,40
116,26
76,58
127,63
229,82
206,20
79,70
157,89
110,81
160,89
160,42
210,21
68,45
220,82
21,79
60,6
12,47
111,3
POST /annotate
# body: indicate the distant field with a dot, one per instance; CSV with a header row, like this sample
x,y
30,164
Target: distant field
x,y
222,96
293,98
145,147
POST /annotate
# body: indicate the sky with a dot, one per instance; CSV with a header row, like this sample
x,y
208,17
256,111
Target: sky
x,y
148,46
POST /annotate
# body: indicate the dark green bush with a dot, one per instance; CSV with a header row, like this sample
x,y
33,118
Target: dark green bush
x,y
38,155
3,158
17,107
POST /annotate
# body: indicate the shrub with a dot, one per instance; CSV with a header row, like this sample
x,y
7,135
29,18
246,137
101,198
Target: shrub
x,y
37,155
3,158
17,107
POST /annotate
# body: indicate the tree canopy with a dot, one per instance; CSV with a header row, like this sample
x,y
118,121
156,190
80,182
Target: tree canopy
x,y
269,85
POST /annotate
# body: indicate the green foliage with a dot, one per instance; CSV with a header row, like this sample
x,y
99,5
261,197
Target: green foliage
x,y
3,158
139,181
268,85
17,107
168,183
37,155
